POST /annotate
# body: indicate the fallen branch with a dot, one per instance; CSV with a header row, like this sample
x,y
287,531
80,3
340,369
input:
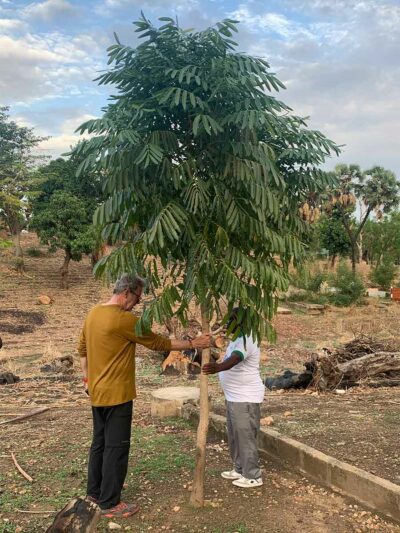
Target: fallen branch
x,y
21,470
18,418
35,512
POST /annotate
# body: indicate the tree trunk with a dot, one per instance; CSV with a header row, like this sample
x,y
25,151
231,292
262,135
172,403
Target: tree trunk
x,y
78,516
16,237
64,270
360,247
197,495
353,256
333,260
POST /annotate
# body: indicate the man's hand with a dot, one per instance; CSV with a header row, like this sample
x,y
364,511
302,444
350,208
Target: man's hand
x,y
210,368
203,341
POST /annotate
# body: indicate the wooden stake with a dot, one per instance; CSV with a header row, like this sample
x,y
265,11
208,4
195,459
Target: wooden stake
x,y
197,495
21,470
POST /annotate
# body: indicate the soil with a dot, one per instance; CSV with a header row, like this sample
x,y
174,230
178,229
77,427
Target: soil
x,y
360,427
52,448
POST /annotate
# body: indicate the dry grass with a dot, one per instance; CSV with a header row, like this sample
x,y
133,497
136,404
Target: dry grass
x,y
50,352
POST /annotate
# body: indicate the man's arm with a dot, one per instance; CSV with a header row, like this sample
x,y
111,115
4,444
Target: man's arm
x,y
212,368
83,357
84,368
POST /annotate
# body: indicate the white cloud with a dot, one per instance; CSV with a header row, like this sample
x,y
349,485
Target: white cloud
x,y
66,138
50,9
47,66
11,25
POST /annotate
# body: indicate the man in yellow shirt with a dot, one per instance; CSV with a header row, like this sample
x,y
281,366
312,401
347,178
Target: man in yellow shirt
x,y
107,347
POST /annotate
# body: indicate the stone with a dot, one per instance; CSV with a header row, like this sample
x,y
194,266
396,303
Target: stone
x,y
43,299
267,421
114,525
169,401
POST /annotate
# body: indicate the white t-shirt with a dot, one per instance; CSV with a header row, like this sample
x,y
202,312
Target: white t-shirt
x,y
242,383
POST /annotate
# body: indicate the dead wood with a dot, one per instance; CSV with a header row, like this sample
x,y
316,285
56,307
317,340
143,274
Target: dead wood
x,y
21,470
78,516
23,417
330,374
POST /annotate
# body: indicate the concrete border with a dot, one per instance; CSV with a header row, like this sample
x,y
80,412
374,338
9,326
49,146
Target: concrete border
x,y
372,491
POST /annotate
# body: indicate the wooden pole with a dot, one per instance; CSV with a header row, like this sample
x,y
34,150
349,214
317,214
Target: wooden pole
x,y
197,495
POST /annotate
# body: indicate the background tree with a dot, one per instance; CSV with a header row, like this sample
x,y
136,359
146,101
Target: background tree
x,y
382,238
63,211
204,169
332,236
19,178
376,190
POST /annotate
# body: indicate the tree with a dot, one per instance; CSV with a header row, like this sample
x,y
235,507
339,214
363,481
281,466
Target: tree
x,y
204,169
332,236
382,239
376,190
64,223
19,178
63,211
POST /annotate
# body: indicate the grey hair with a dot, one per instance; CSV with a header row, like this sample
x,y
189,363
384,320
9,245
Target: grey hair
x,y
129,282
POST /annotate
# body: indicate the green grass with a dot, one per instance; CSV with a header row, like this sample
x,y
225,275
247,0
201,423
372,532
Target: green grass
x,y
160,454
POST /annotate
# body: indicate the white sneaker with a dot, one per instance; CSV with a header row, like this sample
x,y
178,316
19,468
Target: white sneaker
x,y
231,474
247,483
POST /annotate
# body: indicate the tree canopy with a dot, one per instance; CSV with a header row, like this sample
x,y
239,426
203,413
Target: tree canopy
x,y
203,168
63,211
19,178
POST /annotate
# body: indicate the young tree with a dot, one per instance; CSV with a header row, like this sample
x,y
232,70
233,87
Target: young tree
x,y
19,178
332,236
63,211
64,223
376,189
204,169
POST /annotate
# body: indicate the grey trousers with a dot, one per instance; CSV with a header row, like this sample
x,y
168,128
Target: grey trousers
x,y
243,421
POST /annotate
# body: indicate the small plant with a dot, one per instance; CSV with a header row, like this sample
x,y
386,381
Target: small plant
x,y
349,285
383,275
307,279
5,244
34,252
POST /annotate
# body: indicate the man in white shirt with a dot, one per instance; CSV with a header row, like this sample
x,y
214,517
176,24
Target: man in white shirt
x,y
239,374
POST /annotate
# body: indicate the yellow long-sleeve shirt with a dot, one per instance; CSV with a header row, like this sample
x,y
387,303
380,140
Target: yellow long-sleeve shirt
x,y
108,340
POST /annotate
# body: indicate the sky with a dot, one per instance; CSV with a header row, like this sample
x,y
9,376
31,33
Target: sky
x,y
339,60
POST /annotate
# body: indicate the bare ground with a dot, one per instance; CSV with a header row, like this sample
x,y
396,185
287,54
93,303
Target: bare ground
x,y
360,427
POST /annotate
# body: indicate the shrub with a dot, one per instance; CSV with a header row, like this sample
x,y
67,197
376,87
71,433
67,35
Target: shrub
x,y
309,280
384,274
349,285
34,252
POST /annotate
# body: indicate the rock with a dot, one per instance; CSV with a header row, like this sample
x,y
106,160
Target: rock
x,y
176,508
287,413
8,378
267,421
340,391
169,401
114,525
43,299
283,311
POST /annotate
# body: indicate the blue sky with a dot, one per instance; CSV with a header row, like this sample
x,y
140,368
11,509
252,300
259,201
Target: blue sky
x,y
339,59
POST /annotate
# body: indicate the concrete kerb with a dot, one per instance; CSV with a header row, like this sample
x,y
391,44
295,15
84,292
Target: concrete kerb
x,y
378,494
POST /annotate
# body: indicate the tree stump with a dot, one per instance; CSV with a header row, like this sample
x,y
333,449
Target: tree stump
x,y
78,516
169,401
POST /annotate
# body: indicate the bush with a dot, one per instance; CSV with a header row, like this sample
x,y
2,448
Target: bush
x,y
34,252
384,274
349,285
308,280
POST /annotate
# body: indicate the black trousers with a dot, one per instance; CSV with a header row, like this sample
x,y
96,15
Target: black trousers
x,y
109,453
